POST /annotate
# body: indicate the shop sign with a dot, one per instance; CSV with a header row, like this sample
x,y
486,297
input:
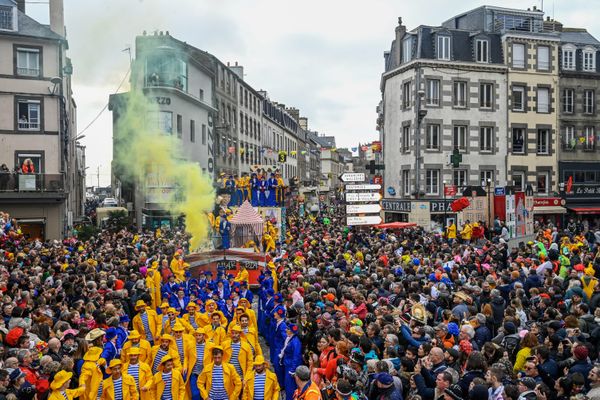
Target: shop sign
x,y
396,205
547,201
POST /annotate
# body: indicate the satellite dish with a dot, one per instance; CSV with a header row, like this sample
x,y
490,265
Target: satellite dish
x,y
56,80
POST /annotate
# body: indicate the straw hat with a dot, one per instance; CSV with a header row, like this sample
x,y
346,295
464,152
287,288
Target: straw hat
x,y
462,295
94,334
60,379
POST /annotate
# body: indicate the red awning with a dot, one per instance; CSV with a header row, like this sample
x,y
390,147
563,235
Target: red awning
x,y
396,225
585,210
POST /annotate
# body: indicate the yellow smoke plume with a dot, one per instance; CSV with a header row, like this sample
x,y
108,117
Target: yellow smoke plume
x,y
142,152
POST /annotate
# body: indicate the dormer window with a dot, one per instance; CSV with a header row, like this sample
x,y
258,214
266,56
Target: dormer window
x,y
407,50
482,51
589,59
443,47
8,17
568,58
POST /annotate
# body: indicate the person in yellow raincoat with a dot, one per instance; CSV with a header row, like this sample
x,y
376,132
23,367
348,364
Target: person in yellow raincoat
x,y
166,376
135,341
193,318
210,307
270,388
146,322
243,302
249,334
178,266
140,371
127,389
242,275
184,346
221,371
153,283
588,281
166,347
251,244
238,352
268,243
280,190
91,375
216,331
60,387
273,269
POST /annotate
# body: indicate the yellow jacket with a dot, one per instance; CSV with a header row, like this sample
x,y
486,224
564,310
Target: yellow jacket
x,y
207,355
153,282
466,232
153,321
242,276
145,351
157,385
451,232
231,381
145,375
271,386
71,394
245,356
251,337
185,320
91,376
217,336
130,391
188,353
167,326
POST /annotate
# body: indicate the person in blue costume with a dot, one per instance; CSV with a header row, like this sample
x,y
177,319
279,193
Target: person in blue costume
x,y
277,343
122,332
224,231
272,188
255,187
239,191
290,358
263,192
231,189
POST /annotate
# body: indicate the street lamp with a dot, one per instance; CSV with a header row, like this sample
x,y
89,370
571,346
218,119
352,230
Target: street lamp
x,y
444,223
562,195
488,183
420,115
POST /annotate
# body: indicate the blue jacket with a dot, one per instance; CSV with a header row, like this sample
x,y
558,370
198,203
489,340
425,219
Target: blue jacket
x,y
411,340
174,302
482,335
109,351
292,355
248,295
278,340
122,335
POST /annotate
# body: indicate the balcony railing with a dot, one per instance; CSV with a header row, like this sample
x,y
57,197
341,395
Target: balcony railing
x,y
18,182
28,71
25,125
574,144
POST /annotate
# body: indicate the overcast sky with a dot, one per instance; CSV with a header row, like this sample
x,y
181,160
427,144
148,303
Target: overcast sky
x,y
324,57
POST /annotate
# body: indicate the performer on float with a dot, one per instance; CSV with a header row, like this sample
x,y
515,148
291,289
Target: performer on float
x,y
224,231
255,190
231,189
272,188
280,190
239,191
264,192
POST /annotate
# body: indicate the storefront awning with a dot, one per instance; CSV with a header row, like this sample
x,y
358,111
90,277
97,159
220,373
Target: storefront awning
x,y
549,210
585,210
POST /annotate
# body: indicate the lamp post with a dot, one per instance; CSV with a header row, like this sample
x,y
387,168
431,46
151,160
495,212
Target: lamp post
x,y
444,223
562,195
420,115
488,183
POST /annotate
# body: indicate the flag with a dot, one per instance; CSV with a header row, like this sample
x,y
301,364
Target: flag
x,y
293,153
354,149
242,151
303,152
364,148
570,184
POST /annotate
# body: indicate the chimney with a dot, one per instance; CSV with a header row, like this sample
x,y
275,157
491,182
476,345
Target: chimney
x,y
21,5
57,17
303,122
400,32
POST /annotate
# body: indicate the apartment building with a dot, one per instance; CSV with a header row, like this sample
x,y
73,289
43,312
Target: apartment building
x,y
45,189
250,118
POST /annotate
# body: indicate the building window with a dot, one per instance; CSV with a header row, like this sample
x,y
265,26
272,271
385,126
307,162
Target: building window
x,y
588,101
460,94
165,122
36,158
407,50
406,182
432,182
459,178
485,176
201,95
28,62
518,141
543,58
518,55
543,100
179,126
519,180
460,137
192,131
405,138
518,98
443,50
568,58
203,134
589,135
433,137
486,138
406,95
543,141
589,60
6,18
569,142
29,115
542,183
482,50
433,92
486,95
567,100
167,71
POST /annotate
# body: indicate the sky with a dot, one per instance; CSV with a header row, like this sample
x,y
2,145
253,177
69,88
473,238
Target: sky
x,y
323,57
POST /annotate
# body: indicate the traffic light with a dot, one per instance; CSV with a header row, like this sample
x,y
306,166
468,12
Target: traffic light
x,y
282,156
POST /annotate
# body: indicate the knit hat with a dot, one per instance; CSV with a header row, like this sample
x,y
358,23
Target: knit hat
x,y
580,352
479,392
528,382
384,378
454,391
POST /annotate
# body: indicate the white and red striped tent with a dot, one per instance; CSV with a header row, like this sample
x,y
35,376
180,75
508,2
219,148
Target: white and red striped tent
x,y
246,224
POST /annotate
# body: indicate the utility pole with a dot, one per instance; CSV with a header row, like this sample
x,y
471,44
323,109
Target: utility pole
x,y
98,176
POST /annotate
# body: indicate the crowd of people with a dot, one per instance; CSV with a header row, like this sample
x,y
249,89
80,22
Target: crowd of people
x,y
340,313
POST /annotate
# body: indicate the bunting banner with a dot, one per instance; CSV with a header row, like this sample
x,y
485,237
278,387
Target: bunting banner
x,y
303,152
293,153
364,148
376,147
354,149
